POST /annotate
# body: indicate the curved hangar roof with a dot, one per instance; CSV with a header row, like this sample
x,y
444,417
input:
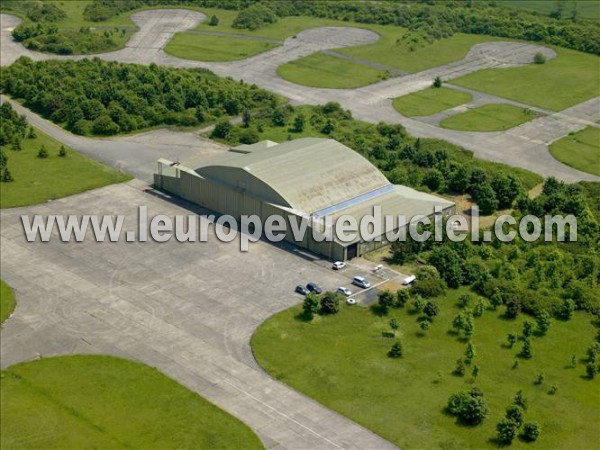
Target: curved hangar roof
x,y
308,175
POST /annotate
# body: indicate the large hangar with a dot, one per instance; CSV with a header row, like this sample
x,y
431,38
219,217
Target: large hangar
x,y
310,178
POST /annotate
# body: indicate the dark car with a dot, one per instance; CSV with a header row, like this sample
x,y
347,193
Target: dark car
x,y
312,287
302,290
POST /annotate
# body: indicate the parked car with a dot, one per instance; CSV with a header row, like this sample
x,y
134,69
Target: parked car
x,y
350,301
302,290
344,291
338,265
313,287
361,282
409,280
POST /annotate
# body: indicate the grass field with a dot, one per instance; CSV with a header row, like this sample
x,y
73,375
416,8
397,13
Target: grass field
x,y
341,362
586,9
322,70
580,150
430,101
38,180
202,47
492,117
385,51
107,402
7,301
567,80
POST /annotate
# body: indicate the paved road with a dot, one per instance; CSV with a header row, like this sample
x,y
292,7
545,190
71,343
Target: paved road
x,y
166,305
370,103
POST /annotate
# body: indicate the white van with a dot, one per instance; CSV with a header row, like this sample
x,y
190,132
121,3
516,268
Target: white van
x,y
361,282
409,280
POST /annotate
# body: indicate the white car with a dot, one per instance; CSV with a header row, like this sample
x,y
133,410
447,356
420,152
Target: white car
x,y
361,282
338,265
344,291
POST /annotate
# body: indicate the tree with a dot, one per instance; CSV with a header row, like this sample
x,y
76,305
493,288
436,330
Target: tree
x,y
396,350
431,309
591,370
553,389
464,300
496,299
402,296
469,327
539,58
475,372
424,324
310,306
214,21
437,82
299,122
434,180
515,413
394,325
567,309
539,379
507,431
485,197
62,152
104,125
479,308
531,431
470,407
460,368
32,134
417,304
222,130
246,118
527,329
6,175
520,400
254,17
330,303
386,301
249,136
526,350
16,144
543,322
512,339
469,353
42,152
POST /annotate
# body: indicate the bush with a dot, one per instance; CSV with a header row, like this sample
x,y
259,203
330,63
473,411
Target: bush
x,y
531,431
437,82
431,309
214,21
249,136
507,431
515,414
402,297
254,17
396,350
428,288
42,153
310,306
470,407
539,58
62,152
222,130
386,300
330,303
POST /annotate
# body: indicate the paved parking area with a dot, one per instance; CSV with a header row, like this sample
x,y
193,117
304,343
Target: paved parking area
x,y
168,305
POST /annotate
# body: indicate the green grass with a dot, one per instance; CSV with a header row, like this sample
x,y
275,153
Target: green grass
x,y
567,80
201,47
492,117
341,362
386,51
580,150
430,101
586,9
325,71
107,402
38,180
7,301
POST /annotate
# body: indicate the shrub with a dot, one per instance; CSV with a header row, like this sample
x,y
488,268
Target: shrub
x,y
42,153
386,300
330,303
249,136
402,296
437,82
310,306
396,350
531,431
511,339
539,58
526,350
431,309
62,152
515,413
539,379
520,400
254,17
470,407
214,21
460,368
6,175
222,130
428,288
507,430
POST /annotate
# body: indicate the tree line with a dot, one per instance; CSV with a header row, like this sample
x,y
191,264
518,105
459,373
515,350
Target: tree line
x,y
106,98
432,18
